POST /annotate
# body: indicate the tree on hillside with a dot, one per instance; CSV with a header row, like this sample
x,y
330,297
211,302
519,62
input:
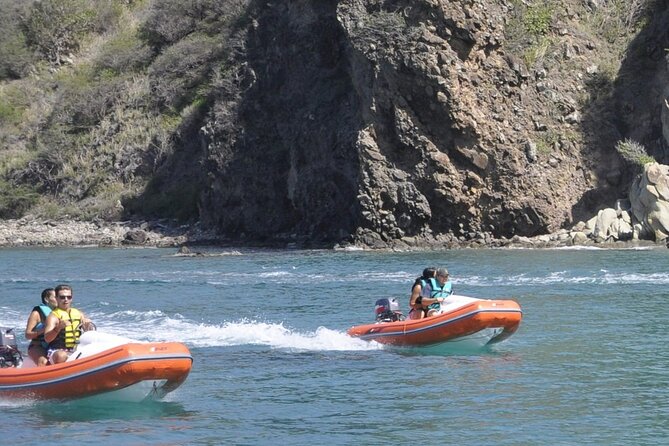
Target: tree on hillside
x,y
55,27
15,56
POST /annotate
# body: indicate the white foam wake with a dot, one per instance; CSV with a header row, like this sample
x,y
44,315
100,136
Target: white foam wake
x,y
244,332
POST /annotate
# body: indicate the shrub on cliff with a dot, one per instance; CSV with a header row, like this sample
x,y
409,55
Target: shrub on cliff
x,y
15,56
170,21
529,30
13,103
180,70
15,201
55,27
124,53
634,153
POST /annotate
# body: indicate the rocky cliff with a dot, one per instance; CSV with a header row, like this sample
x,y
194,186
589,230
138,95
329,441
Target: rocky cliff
x,y
394,123
411,121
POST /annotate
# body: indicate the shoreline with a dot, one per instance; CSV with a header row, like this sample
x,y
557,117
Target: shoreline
x,y
45,233
53,233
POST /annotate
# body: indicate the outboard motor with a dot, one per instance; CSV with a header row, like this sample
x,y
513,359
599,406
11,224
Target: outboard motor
x,y
10,356
388,310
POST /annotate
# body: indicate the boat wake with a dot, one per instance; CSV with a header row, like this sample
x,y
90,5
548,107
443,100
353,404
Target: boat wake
x,y
278,336
244,332
156,326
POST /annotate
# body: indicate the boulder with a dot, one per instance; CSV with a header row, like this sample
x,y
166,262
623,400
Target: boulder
x,y
579,238
612,225
649,198
135,237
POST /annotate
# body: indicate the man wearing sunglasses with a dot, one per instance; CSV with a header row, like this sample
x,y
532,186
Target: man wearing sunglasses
x,y
63,326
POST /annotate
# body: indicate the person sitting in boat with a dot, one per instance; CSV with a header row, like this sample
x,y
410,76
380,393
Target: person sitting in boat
x,y
35,327
64,326
440,288
421,294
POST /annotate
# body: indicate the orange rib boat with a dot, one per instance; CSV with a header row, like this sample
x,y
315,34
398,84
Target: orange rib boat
x,y
485,321
132,371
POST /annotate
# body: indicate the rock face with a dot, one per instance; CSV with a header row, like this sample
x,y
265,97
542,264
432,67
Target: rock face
x,y
392,122
649,196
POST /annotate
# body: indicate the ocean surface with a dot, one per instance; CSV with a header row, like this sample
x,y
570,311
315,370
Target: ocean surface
x,y
273,364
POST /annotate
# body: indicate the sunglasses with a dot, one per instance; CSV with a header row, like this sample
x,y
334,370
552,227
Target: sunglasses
x,y
65,297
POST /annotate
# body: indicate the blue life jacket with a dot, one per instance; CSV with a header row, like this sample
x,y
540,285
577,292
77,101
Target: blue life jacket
x,y
425,288
437,290
43,311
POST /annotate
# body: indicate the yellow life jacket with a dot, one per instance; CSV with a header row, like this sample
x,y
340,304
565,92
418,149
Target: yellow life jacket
x,y
69,336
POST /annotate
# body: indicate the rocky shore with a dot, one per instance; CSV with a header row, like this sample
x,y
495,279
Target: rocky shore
x,y
51,233
562,239
47,233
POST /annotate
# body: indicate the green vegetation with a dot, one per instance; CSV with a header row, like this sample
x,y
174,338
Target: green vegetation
x,y
634,153
531,34
15,201
13,103
125,52
95,95
15,56
536,52
55,28
180,70
529,30
537,19
617,20
547,142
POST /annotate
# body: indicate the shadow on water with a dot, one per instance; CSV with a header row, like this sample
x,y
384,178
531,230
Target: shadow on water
x,y
446,349
92,409
473,345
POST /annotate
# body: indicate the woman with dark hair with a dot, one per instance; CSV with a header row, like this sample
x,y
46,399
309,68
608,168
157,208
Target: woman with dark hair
x,y
419,290
35,327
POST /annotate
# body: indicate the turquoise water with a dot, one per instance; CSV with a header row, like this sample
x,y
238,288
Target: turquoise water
x,y
273,365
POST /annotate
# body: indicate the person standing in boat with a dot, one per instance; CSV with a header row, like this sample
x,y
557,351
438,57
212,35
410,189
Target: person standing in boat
x,y
64,326
421,294
440,289
35,327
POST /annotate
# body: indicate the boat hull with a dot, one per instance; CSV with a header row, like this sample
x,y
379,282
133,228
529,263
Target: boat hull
x,y
158,368
495,320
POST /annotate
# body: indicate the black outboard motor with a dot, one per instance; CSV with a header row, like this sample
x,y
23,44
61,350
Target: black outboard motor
x,y
388,310
10,356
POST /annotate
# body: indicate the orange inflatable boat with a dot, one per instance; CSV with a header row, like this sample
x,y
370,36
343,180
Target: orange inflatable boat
x,y
103,364
479,320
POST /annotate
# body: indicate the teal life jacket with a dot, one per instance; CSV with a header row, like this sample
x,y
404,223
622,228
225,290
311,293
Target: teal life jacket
x,y
43,311
425,288
437,290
